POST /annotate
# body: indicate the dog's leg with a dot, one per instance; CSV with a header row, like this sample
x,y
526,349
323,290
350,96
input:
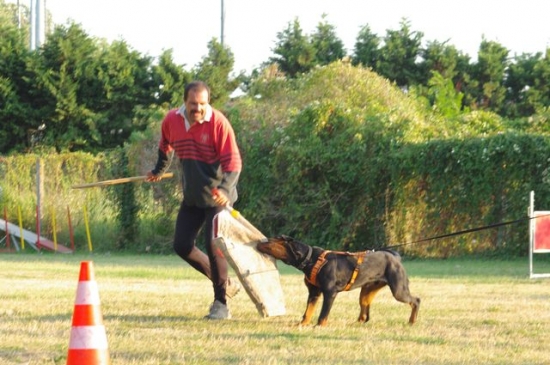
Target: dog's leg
x,y
312,299
328,300
399,285
415,305
368,292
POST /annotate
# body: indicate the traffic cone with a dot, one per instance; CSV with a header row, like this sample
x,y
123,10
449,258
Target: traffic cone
x,y
88,343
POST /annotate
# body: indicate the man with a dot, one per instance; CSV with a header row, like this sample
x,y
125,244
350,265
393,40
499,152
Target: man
x,y
204,141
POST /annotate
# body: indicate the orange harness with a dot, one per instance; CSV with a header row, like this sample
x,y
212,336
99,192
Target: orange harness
x,y
321,261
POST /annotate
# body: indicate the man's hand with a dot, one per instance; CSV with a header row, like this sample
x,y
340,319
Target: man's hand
x,y
219,197
152,177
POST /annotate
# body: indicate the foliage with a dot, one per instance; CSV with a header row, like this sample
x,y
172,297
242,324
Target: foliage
x,y
15,82
439,57
323,192
366,50
338,156
64,74
159,202
215,69
397,143
124,198
520,80
21,185
171,80
399,54
360,165
486,181
490,71
355,87
79,93
536,124
293,52
328,47
442,96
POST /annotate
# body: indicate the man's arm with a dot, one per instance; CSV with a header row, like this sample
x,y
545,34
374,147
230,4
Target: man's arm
x,y
161,166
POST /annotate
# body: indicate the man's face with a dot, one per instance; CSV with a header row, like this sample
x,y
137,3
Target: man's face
x,y
196,103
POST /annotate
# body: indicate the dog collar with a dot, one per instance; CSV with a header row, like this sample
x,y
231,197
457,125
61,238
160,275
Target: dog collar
x,y
306,260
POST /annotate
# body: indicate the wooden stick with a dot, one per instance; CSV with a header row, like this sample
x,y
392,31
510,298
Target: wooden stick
x,y
118,181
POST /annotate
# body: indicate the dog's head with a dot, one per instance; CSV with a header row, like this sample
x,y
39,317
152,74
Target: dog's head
x,y
286,249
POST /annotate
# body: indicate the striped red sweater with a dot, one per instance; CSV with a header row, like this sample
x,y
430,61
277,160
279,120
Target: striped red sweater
x,y
208,153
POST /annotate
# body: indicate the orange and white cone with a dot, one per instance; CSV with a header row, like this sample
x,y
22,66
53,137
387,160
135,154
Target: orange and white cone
x,y
88,343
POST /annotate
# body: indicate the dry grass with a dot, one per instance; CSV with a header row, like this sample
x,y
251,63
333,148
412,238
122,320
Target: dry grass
x,y
472,312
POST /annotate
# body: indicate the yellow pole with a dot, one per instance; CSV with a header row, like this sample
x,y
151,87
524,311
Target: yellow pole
x,y
87,229
54,227
21,227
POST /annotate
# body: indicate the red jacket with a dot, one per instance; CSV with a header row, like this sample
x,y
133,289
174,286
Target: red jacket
x,y
208,153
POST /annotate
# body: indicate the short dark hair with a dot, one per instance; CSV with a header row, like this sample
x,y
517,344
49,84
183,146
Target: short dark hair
x,y
195,85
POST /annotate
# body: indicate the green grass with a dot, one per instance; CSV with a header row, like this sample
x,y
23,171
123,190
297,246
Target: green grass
x,y
473,311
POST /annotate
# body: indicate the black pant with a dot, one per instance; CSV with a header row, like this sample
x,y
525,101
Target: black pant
x,y
213,264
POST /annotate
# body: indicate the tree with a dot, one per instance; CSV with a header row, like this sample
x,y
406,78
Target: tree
x,y
464,80
490,72
66,62
399,55
441,68
328,47
366,51
542,81
443,96
16,77
521,93
215,69
294,52
126,82
171,80
439,57
87,90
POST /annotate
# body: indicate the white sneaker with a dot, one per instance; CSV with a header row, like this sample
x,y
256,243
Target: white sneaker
x,y
218,310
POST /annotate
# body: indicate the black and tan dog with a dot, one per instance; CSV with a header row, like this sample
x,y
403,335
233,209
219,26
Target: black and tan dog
x,y
330,272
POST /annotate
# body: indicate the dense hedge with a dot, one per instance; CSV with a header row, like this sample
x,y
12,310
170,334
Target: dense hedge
x,y
345,160
339,158
341,182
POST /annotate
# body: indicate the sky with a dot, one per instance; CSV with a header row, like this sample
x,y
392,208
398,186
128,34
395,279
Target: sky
x,y
251,26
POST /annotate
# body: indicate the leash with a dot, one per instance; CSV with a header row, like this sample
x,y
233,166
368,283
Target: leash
x,y
495,225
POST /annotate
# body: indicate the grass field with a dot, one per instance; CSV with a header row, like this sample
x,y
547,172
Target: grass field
x,y
472,312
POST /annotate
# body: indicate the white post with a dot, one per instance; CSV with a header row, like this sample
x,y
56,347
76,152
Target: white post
x,y
223,23
32,23
40,23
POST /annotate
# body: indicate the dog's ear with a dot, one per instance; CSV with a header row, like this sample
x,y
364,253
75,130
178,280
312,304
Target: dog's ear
x,y
279,238
286,238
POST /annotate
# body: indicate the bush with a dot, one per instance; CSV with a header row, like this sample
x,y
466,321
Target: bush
x,y
338,157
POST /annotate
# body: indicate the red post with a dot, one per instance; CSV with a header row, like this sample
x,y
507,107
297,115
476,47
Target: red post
x,y
70,228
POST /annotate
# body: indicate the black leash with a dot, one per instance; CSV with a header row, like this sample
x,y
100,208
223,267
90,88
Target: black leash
x,y
467,231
